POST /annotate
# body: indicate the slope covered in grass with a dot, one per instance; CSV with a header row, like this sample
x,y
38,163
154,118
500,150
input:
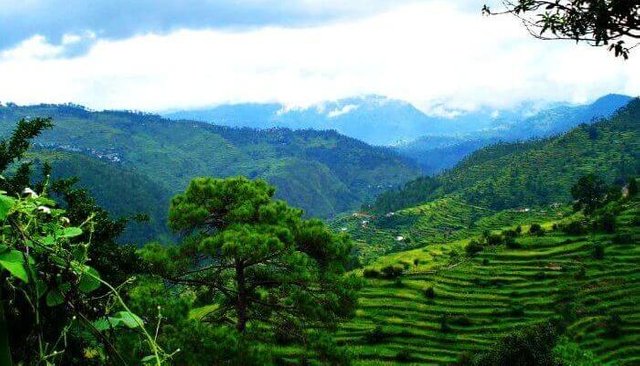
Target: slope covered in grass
x,y
477,300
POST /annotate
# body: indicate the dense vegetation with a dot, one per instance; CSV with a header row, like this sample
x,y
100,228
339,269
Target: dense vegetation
x,y
453,303
320,171
512,175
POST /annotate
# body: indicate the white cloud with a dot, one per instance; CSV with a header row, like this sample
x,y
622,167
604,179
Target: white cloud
x,y
431,54
341,111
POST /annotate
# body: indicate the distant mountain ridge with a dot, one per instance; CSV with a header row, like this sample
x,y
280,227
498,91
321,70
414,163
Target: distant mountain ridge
x,y
378,120
323,172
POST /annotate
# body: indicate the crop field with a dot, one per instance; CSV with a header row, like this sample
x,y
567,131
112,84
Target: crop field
x,y
476,301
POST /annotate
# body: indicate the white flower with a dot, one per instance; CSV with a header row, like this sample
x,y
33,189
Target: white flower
x,y
30,192
44,209
65,220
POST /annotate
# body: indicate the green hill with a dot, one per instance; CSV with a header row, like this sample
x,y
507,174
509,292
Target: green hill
x,y
477,300
534,172
322,172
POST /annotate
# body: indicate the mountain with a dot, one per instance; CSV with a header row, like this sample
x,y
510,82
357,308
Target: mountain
x,y
323,172
510,175
437,153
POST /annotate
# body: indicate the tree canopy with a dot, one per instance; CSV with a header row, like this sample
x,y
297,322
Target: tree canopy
x,y
611,23
255,259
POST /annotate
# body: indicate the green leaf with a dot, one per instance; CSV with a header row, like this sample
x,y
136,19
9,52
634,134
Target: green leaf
x,y
71,232
13,261
54,298
129,319
89,280
6,203
102,324
149,359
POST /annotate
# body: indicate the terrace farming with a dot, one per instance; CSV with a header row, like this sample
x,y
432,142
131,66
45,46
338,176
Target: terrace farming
x,y
445,302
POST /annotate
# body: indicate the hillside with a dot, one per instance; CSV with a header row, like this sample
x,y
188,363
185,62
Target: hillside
x,y
512,175
447,304
322,172
435,153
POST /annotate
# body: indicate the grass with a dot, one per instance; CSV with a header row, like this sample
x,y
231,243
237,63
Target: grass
x,y
498,291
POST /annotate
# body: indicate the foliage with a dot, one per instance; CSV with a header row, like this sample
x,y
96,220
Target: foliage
x,y
473,248
537,172
45,262
528,347
255,258
597,22
590,193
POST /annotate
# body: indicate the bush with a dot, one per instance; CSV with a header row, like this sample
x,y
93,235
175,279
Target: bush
x,y
392,272
511,243
606,222
536,229
375,336
510,233
494,239
485,262
519,229
473,248
461,320
575,228
444,324
622,239
416,262
613,326
530,346
403,356
429,292
398,282
371,273
598,251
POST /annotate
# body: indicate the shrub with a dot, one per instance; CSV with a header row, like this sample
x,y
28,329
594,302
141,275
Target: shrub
x,y
392,272
371,273
398,282
461,320
575,228
444,324
494,239
429,292
511,243
376,335
416,262
510,233
581,274
519,229
613,326
606,222
485,262
473,248
403,356
536,229
598,251
622,239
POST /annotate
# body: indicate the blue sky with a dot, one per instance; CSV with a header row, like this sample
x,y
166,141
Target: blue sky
x,y
159,54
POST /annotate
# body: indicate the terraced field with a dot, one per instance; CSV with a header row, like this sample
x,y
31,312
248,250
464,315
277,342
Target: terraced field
x,y
479,300
439,221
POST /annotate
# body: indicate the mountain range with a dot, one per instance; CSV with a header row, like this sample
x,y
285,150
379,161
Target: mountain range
x,y
434,142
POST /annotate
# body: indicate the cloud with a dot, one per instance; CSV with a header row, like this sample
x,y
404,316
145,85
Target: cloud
x,y
340,111
119,19
432,54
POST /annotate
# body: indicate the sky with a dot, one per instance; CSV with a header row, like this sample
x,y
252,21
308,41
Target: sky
x,y
159,55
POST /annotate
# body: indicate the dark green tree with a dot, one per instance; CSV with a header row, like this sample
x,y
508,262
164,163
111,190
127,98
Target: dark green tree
x,y
255,258
632,187
590,192
610,23
14,148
